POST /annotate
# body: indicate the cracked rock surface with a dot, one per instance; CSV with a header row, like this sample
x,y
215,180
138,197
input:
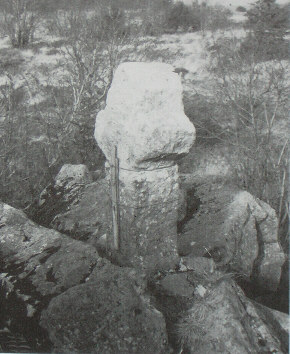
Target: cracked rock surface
x,y
144,117
45,274
107,314
222,320
236,229
75,205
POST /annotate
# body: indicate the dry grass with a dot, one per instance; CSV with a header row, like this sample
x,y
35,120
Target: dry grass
x,y
192,328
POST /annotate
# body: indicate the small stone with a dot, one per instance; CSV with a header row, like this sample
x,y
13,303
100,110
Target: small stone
x,y
200,290
199,265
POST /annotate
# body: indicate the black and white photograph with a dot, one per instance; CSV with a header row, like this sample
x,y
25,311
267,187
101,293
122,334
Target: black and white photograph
x,y
144,176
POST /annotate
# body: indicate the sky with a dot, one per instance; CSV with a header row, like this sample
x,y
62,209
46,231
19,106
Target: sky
x,y
233,4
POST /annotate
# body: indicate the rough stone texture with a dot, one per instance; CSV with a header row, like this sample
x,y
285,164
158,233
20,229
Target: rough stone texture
x,y
270,268
106,315
50,261
236,230
36,264
277,321
89,217
199,265
86,215
206,312
58,196
175,291
92,306
182,205
70,175
149,202
75,205
177,284
144,117
222,320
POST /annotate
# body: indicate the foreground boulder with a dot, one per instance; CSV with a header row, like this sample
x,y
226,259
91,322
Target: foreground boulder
x,y
234,228
45,274
36,265
50,261
222,320
106,315
207,312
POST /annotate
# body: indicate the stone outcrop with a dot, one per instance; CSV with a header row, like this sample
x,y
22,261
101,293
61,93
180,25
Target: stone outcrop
x,y
144,120
106,315
235,229
72,175
60,295
89,217
46,274
74,204
222,320
36,264
59,195
207,312
50,261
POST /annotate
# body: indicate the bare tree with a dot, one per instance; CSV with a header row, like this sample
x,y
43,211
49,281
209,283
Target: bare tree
x,y
251,117
19,21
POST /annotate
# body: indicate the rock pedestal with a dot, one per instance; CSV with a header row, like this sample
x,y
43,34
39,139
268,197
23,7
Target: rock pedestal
x,y
144,119
148,208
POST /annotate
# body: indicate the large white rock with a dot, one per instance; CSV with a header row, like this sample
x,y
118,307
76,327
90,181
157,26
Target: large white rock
x,y
144,117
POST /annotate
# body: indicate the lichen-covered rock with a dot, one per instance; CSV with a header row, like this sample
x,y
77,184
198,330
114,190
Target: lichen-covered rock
x,y
88,305
67,183
50,261
177,285
148,207
237,230
90,217
59,195
108,314
182,205
144,117
75,205
277,321
222,320
36,264
200,265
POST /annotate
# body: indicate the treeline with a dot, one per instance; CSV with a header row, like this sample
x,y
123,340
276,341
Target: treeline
x,y
140,17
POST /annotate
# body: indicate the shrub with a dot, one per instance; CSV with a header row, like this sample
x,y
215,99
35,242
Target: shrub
x,y
268,25
251,111
241,9
183,16
19,21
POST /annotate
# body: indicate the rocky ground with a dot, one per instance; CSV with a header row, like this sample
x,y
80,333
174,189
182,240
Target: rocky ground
x,y
63,291
59,294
